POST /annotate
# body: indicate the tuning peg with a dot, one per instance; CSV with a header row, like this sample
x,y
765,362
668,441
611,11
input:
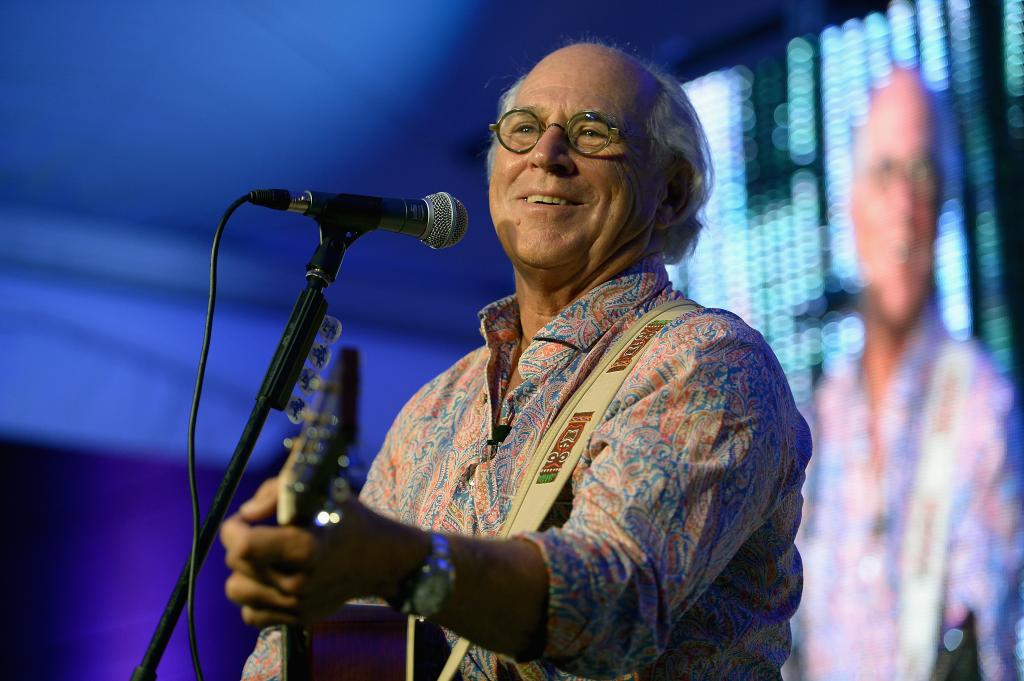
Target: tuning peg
x,y
320,356
309,381
330,330
296,409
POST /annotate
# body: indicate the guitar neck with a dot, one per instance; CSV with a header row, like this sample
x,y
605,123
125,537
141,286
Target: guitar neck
x,y
319,455
312,481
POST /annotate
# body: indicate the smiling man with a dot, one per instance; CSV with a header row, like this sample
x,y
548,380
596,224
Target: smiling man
x,y
670,552
913,525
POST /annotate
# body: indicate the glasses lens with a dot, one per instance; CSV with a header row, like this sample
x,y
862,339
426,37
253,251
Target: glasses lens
x,y
589,132
918,172
519,130
921,172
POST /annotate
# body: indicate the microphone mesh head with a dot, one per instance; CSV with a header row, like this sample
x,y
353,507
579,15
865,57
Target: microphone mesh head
x,y
449,221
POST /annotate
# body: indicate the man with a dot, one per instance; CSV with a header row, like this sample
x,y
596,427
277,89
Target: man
x,y
913,516
673,556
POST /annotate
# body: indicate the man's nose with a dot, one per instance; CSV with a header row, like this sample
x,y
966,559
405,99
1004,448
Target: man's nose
x,y
902,194
552,151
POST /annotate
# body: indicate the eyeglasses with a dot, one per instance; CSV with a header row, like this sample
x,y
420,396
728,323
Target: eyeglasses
x,y
588,132
919,172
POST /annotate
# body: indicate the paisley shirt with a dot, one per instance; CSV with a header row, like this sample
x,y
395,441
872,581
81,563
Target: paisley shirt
x,y
673,557
855,517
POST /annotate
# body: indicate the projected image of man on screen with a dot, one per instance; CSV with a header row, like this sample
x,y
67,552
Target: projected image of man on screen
x,y
912,525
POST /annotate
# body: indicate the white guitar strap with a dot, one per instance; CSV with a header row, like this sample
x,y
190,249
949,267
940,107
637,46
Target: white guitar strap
x,y
926,536
555,458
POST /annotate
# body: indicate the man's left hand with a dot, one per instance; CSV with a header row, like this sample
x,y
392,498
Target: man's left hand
x,y
290,575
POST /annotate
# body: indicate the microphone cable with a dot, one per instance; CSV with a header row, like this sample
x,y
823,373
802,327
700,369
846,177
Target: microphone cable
x,y
193,490
454,222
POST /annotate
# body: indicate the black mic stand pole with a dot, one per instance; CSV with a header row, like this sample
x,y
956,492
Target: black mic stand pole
x,y
307,316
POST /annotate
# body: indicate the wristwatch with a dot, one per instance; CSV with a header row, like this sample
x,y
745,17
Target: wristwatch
x,y
424,593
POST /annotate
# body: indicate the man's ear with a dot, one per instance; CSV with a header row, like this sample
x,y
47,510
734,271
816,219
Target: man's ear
x,y
675,197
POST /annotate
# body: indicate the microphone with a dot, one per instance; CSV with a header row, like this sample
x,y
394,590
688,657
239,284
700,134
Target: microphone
x,y
438,220
498,434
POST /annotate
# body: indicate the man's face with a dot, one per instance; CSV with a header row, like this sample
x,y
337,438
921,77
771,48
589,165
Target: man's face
x,y
555,209
893,203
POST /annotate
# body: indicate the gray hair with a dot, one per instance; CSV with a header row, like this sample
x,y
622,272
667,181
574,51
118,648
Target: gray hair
x,y
676,138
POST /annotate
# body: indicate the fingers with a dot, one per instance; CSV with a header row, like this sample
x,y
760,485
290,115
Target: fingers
x,y
264,604
263,504
287,574
266,618
248,592
255,549
269,570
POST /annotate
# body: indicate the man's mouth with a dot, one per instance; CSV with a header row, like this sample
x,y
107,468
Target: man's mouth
x,y
549,200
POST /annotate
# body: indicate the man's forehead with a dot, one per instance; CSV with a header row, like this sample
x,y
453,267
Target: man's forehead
x,y
586,79
548,102
899,119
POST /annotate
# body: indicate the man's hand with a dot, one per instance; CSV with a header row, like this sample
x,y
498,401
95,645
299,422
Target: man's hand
x,y
294,575
266,561
290,575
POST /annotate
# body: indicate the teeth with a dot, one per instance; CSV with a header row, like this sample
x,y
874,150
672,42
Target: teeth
x,y
554,200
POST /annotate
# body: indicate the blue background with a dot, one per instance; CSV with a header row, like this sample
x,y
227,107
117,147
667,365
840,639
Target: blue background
x,y
127,128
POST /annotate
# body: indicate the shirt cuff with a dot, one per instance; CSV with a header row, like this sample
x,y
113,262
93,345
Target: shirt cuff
x,y
264,663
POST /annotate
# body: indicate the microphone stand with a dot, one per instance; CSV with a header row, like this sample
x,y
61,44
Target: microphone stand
x,y
307,316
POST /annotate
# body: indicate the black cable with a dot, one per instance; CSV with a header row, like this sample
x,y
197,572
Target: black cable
x,y
193,416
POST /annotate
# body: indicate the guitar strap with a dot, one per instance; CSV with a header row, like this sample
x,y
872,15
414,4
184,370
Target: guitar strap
x,y
925,540
555,458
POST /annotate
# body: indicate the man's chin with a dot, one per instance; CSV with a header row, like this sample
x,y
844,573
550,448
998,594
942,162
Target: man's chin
x,y
543,262
897,314
545,254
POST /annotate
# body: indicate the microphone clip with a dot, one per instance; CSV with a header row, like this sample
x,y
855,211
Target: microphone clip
x,y
498,434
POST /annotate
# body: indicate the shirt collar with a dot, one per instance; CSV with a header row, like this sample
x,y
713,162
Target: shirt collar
x,y
928,334
581,323
922,346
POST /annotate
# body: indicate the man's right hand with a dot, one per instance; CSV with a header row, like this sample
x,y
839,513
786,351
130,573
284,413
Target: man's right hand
x,y
263,504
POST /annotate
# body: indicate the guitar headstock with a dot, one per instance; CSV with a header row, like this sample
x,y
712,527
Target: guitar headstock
x,y
313,482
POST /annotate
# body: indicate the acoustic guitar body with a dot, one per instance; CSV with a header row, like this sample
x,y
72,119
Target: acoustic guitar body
x,y
368,643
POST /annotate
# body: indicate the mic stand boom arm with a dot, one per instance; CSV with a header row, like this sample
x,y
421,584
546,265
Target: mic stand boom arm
x,y
307,316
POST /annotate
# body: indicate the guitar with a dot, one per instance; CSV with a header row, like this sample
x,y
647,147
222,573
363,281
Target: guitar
x,y
360,642
311,481
958,656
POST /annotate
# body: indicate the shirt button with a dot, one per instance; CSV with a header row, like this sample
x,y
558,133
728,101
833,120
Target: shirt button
x,y
869,567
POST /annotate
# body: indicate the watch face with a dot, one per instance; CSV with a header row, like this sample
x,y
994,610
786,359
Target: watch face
x,y
430,588
431,592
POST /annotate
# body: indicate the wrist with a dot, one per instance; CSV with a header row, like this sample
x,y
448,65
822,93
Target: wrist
x,y
426,589
380,553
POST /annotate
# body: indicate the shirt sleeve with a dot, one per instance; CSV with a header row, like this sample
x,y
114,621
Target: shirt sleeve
x,y
987,544
378,492
700,446
386,490
264,662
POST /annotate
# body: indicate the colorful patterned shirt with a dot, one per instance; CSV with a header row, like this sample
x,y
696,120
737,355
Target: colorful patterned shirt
x,y
855,517
674,557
